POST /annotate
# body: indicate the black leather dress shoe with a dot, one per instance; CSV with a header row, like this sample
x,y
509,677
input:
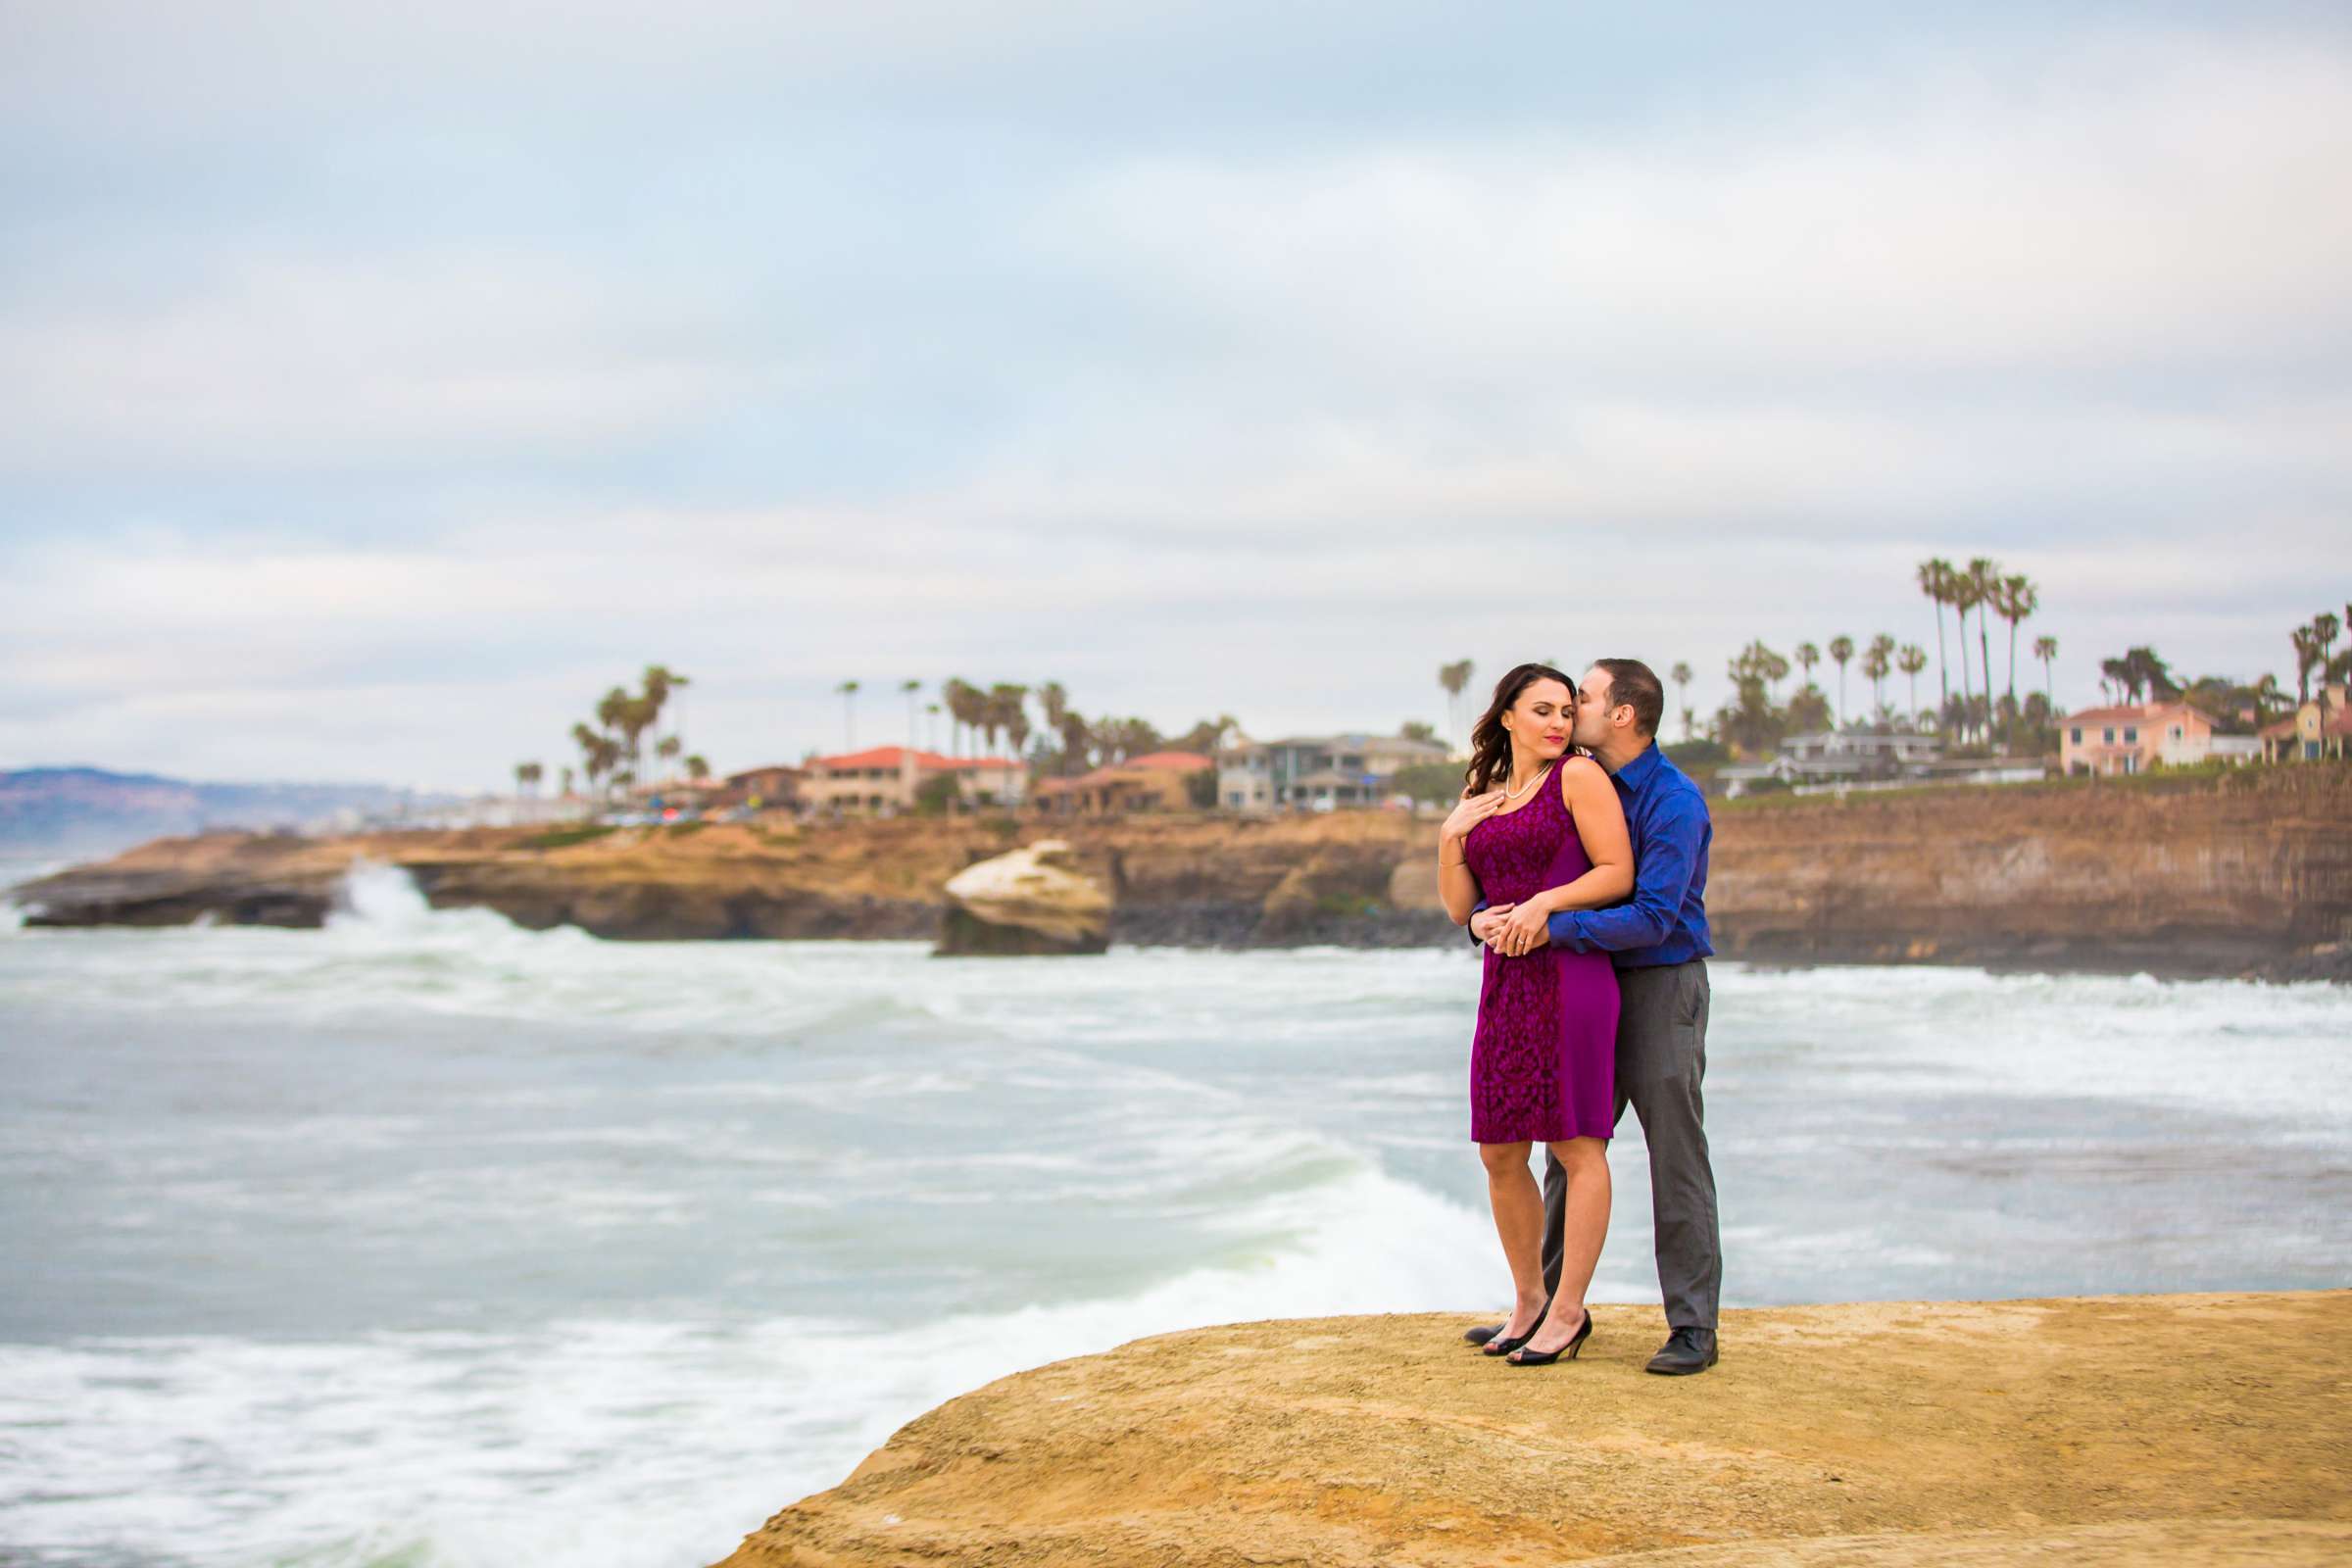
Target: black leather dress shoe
x,y
1484,1332
1686,1350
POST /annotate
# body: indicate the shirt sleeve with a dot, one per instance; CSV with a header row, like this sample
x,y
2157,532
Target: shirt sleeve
x,y
1475,912
1663,868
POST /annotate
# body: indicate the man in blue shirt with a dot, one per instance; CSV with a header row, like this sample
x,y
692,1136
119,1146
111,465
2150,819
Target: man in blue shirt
x,y
1658,941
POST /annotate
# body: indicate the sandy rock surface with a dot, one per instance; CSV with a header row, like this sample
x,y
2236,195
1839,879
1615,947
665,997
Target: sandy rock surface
x,y
1032,900
2207,1430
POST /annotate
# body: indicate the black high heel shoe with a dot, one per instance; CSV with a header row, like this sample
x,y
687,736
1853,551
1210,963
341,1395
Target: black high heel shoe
x,y
1500,1346
1576,1343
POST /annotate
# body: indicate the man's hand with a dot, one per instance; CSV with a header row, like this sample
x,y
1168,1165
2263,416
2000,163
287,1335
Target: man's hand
x,y
1525,929
1486,921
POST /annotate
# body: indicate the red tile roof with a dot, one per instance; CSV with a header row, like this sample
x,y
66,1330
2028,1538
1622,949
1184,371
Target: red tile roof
x,y
2139,713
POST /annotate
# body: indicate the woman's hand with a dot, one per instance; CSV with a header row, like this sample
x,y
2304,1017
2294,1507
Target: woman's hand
x,y
1473,810
1527,928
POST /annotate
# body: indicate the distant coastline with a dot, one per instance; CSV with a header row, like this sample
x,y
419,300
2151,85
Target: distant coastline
x,y
2248,873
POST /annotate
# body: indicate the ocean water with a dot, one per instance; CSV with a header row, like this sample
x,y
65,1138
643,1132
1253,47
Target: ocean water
x,y
426,1241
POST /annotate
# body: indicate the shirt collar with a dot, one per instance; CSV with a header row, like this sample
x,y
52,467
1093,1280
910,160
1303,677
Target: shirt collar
x,y
1634,774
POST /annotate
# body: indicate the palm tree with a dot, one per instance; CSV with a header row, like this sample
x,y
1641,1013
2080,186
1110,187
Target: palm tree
x,y
526,777
697,767
2267,697
908,688
2307,658
2324,630
1878,662
1961,590
1008,712
1985,586
1842,648
1681,675
565,779
931,727
1775,667
599,754
1935,581
964,704
1807,655
2016,603
1911,659
660,683
1453,678
849,714
668,748
2045,648
1076,737
612,711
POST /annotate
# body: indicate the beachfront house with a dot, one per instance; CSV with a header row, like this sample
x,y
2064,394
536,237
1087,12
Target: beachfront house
x,y
2137,736
2318,728
1156,781
776,786
1317,772
883,779
1830,758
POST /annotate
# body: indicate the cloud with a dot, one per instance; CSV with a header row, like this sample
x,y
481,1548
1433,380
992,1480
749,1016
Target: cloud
x,y
465,407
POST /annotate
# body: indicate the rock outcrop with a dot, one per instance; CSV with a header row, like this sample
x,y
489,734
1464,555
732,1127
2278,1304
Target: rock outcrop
x,y
2214,1430
2245,874
1028,901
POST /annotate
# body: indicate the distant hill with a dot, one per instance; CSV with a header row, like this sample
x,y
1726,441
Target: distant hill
x,y
89,810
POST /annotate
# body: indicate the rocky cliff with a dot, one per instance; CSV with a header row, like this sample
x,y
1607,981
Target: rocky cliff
x,y
2248,873
2214,1430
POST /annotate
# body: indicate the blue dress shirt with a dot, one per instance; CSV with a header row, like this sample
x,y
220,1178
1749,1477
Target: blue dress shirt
x,y
1665,921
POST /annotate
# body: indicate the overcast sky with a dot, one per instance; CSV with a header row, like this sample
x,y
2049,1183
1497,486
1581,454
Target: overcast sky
x,y
380,384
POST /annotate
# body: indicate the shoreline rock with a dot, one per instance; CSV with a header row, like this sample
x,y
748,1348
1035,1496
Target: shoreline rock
x,y
1032,901
2106,1430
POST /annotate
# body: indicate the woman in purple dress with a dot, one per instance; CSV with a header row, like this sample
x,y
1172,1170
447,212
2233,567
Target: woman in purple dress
x,y
1538,827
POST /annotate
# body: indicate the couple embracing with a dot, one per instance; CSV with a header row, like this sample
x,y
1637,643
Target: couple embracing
x,y
1578,856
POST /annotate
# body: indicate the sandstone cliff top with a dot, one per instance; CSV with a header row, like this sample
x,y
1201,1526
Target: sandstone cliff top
x,y
2214,1430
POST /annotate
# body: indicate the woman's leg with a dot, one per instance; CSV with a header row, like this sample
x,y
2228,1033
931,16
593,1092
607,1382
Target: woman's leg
x,y
1585,1226
1518,1204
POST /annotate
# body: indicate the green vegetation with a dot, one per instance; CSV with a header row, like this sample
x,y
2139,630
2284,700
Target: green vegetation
x,y
682,830
1429,782
937,795
564,837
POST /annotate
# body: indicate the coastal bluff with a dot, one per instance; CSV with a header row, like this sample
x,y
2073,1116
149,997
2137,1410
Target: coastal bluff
x,y
2214,1430
2247,872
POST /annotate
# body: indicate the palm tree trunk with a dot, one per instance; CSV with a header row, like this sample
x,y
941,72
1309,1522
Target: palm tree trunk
x,y
1985,646
1943,684
1960,615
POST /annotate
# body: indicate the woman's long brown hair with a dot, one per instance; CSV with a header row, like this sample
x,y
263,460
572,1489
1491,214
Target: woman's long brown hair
x,y
1490,742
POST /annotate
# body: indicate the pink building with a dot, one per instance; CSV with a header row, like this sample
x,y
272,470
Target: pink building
x,y
2131,739
886,778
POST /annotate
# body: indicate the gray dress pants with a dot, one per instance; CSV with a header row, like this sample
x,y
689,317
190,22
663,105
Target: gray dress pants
x,y
1661,1057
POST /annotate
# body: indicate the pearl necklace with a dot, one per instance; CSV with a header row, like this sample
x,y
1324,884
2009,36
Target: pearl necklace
x,y
1529,785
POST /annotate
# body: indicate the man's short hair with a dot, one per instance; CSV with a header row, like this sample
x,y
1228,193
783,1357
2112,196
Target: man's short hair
x,y
1633,682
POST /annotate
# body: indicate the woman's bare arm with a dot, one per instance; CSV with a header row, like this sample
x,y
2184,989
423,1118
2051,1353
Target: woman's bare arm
x,y
1457,887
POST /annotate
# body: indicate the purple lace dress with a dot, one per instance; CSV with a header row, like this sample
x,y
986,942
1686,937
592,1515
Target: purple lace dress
x,y
1544,1062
